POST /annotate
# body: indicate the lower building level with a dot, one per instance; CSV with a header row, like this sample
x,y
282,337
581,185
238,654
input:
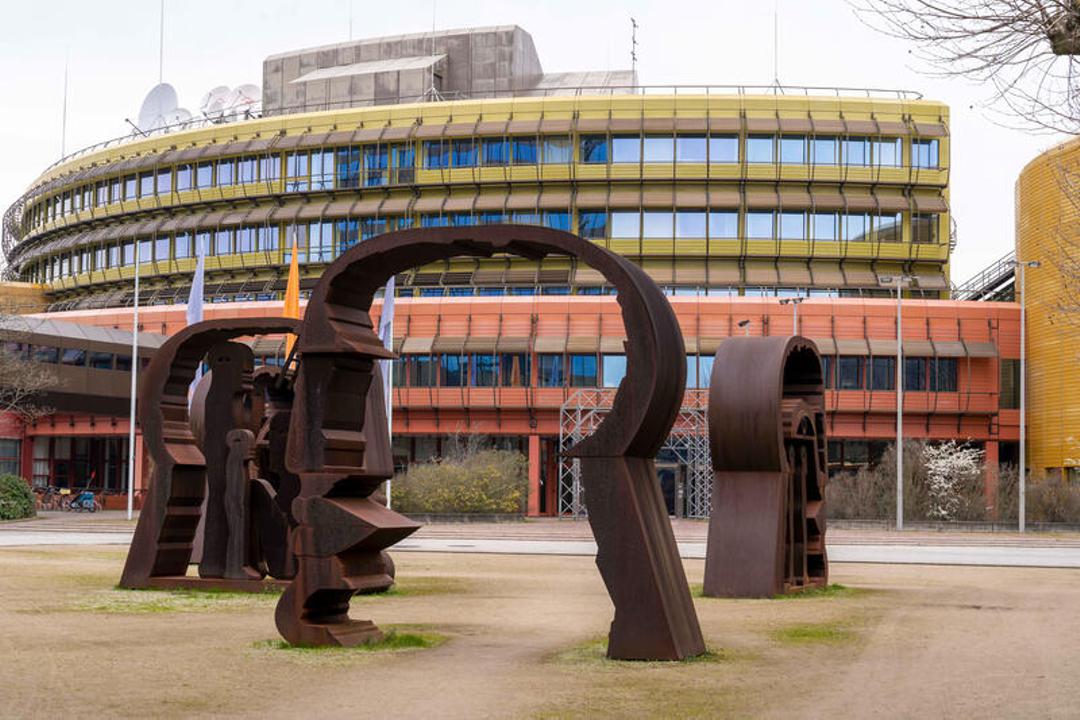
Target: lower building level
x,y
524,373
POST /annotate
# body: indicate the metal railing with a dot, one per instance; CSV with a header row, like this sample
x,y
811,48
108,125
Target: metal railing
x,y
988,281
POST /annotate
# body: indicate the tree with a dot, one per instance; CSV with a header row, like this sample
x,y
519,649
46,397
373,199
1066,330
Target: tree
x,y
1028,50
22,381
951,468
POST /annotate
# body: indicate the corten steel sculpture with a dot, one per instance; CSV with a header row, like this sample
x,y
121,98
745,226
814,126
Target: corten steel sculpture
x,y
339,448
241,516
767,438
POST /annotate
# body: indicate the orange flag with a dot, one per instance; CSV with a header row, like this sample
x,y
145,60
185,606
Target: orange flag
x,y
292,293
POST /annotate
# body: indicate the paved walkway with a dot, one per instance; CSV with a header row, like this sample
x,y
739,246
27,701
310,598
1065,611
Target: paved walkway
x,y
569,537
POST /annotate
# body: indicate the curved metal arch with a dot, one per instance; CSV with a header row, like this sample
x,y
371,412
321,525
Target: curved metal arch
x,y
170,514
341,458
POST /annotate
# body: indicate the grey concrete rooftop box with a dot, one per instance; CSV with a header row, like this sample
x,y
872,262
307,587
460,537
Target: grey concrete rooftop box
x,y
453,64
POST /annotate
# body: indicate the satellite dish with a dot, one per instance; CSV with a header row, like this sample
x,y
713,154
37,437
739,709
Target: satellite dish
x,y
177,116
159,103
249,94
213,104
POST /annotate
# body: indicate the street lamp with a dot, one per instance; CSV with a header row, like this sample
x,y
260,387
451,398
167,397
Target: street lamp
x,y
1021,266
745,325
794,302
899,282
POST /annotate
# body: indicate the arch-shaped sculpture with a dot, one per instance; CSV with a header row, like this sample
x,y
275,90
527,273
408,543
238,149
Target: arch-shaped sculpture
x,y
767,439
170,514
337,445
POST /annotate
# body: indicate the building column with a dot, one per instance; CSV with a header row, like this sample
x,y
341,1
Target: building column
x,y
991,467
534,476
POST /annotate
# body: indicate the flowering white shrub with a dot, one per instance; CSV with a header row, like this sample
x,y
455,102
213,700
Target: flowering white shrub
x,y
949,466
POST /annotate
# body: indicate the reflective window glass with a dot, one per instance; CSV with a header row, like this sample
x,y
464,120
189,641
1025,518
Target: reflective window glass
x,y
223,242
247,170
914,373
164,181
204,175
690,224
759,148
583,370
823,151
551,373
724,224
614,370
484,370
657,224
558,150
943,374
887,152
226,172
792,226
436,155
524,150
723,149
625,148
793,150
705,368
270,168
496,152
348,167
691,149
73,357
592,224
856,227
883,373
759,225
423,370
101,360
557,219
849,373
183,245
856,151
464,153
514,370
594,149
659,149
889,227
924,228
625,224
824,226
924,153
146,184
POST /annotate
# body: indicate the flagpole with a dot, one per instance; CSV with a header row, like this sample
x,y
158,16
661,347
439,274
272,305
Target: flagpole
x,y
134,386
386,328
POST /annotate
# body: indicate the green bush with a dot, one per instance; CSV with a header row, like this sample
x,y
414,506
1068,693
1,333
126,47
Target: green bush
x,y
487,481
16,498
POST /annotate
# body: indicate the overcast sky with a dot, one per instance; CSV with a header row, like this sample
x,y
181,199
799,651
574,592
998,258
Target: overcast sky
x,y
113,51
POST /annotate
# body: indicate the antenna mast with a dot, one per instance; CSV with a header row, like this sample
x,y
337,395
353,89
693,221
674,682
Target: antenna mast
x,y
776,43
633,46
161,47
432,93
63,112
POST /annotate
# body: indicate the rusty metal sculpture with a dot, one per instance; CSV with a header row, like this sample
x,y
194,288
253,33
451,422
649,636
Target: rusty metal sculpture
x,y
338,446
180,451
767,438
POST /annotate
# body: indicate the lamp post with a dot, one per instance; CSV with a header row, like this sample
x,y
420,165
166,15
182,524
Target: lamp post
x,y
134,388
794,302
1021,266
745,325
899,282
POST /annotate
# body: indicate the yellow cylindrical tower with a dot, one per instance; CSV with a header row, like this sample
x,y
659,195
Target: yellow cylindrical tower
x,y
1048,231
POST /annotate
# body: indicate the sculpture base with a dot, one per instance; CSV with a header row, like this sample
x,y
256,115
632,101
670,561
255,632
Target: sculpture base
x,y
184,582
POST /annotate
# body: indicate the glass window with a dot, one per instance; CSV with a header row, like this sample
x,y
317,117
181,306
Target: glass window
x,y
924,153
371,226
583,371
45,354
823,151
436,155
183,245
856,227
690,224
114,190
146,250
524,150
423,370
625,224
223,242
184,177
828,364
161,248
496,152
724,224
793,150
455,370
691,149
558,150
102,194
268,238
296,172
377,164
723,149
464,155
114,256
557,219
1009,372
849,373
625,148
550,370
129,188
691,371
705,368
101,360
164,181
614,367
247,170
592,224
659,149
759,225
226,172
146,184
322,169
594,149
245,239
943,374
129,253
759,148
883,373
484,370
856,151
824,226
914,373
887,152
123,363
924,228
204,175
203,244
792,226
889,227
270,168
348,168
73,356
657,224
514,370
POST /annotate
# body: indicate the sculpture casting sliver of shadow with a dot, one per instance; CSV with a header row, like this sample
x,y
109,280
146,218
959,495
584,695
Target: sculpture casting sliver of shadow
x,y
339,447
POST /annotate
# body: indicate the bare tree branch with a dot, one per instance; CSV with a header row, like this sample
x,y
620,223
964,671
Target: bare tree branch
x,y
1027,50
22,381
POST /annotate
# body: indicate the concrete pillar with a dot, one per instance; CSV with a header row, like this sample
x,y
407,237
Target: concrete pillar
x,y
534,476
990,475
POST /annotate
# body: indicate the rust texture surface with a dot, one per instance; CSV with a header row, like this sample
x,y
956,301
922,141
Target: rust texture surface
x,y
767,439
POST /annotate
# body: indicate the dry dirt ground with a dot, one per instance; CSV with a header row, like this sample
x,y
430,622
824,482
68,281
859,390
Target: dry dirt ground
x,y
522,637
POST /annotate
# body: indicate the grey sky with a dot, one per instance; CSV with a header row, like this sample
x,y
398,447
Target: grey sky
x,y
113,50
